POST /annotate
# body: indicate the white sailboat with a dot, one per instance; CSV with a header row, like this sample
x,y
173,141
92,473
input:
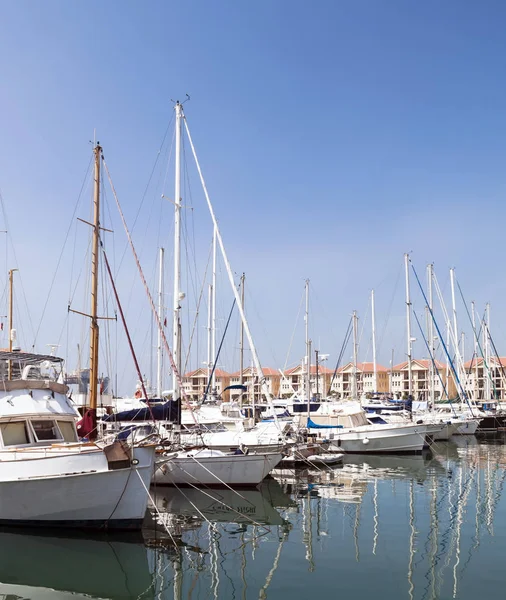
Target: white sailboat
x,y
206,467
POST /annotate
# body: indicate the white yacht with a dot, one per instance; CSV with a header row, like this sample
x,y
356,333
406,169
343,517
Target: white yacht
x,y
347,429
48,477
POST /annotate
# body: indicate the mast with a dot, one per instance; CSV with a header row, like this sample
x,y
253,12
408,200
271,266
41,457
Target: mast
x,y
159,372
454,310
241,338
209,327
11,317
94,331
373,320
354,390
308,346
430,322
486,333
230,274
317,352
213,305
176,331
408,327
476,383
308,381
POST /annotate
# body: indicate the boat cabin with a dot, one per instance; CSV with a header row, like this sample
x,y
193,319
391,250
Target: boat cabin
x,y
34,408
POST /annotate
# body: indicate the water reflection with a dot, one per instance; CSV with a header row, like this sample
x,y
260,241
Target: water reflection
x,y
423,527
45,565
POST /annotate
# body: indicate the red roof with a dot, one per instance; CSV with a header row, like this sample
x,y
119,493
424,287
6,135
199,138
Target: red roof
x,y
424,363
493,362
249,370
203,371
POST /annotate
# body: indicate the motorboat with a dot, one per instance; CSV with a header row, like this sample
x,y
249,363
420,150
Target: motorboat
x,y
346,428
47,476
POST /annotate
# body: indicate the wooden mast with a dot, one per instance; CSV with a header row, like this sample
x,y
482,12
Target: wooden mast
x,y
94,292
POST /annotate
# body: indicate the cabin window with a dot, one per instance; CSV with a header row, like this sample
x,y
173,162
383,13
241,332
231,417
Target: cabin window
x,y
68,431
46,430
14,433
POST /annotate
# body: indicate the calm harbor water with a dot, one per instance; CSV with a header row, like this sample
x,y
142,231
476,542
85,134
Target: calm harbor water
x,y
421,527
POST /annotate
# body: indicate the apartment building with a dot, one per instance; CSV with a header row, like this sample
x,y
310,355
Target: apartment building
x,y
342,385
444,387
195,383
254,391
293,381
486,384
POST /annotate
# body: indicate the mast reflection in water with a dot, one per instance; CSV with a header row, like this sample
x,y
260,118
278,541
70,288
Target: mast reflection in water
x,y
422,527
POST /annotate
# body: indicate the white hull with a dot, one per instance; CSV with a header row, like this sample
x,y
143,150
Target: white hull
x,y
378,439
75,490
445,434
468,427
233,470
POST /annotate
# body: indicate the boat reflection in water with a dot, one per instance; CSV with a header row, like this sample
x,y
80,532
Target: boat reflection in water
x,y
418,527
41,565
254,506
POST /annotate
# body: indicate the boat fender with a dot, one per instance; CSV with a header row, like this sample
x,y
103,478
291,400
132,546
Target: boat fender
x,y
420,422
365,441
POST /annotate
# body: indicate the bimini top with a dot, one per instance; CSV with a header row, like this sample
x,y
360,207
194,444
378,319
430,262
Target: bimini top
x,y
28,358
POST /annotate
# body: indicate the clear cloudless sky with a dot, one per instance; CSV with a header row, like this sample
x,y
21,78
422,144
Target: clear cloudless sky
x,y
334,137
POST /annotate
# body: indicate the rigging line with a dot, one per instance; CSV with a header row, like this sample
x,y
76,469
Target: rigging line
x,y
347,336
62,251
477,335
7,225
293,332
431,312
150,298
197,312
389,312
147,187
501,367
219,348
433,361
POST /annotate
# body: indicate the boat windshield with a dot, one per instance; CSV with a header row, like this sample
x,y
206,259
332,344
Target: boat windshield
x,y
25,365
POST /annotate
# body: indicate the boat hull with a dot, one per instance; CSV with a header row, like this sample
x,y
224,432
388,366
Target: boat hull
x,y
388,440
89,499
215,471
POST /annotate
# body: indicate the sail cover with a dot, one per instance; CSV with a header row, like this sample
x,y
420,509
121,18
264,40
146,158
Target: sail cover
x,y
168,411
312,425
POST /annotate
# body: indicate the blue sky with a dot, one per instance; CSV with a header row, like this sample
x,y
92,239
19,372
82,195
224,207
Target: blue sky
x,y
334,137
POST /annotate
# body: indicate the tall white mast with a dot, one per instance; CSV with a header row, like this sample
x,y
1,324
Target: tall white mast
x,y
230,274
209,329
159,356
354,390
476,383
213,304
308,345
486,333
408,326
375,381
432,348
176,330
455,330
